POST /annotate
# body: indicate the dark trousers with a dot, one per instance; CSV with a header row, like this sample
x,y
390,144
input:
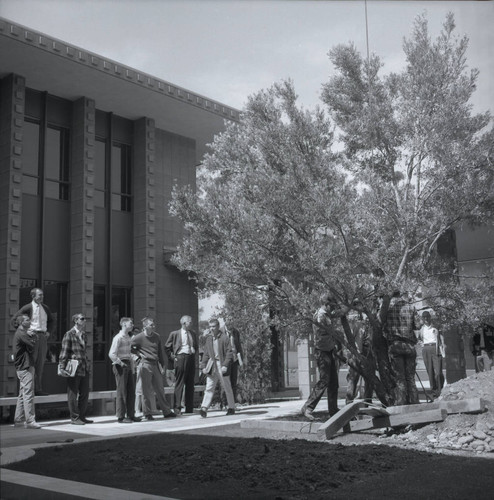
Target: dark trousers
x,y
39,355
78,386
434,365
185,368
233,382
328,380
126,390
403,357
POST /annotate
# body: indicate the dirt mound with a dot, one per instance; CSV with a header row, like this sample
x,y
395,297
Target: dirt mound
x,y
461,432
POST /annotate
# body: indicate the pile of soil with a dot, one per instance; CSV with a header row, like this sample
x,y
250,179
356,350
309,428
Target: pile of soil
x,y
460,432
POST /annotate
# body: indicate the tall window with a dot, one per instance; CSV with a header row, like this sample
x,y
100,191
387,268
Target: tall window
x,y
100,173
105,328
121,180
30,158
57,163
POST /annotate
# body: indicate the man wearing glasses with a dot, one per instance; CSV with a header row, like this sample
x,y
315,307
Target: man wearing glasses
x,y
74,344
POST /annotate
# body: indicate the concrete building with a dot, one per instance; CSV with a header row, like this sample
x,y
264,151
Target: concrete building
x,y
89,152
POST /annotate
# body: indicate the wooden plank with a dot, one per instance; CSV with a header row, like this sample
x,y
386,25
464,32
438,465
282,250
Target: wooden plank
x,y
421,417
374,412
471,405
281,425
337,421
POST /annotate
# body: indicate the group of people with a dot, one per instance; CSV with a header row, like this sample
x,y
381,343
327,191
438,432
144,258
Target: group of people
x,y
400,325
138,364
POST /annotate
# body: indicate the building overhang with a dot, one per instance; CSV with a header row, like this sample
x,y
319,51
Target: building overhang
x,y
70,72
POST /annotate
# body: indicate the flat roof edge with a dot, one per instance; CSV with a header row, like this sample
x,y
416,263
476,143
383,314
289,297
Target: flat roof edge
x,y
54,46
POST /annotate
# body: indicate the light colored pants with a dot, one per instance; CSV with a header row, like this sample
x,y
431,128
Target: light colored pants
x,y
211,382
152,381
24,411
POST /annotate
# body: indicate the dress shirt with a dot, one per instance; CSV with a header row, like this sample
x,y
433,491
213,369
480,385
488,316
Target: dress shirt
x,y
429,334
38,318
186,347
120,348
216,349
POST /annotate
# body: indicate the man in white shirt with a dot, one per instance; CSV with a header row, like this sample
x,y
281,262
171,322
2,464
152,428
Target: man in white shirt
x,y
41,324
124,373
433,352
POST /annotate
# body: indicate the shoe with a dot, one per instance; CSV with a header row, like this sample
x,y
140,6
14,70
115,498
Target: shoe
x,y
148,417
307,413
77,421
203,412
33,425
177,411
19,424
169,415
125,421
135,419
230,411
41,393
87,421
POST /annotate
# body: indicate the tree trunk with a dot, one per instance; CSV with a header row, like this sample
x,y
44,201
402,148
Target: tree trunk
x,y
384,384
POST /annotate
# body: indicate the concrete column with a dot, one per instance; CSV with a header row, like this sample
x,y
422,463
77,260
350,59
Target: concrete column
x,y
12,103
82,212
145,259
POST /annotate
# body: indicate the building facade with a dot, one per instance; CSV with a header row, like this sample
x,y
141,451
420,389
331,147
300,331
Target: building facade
x,y
89,153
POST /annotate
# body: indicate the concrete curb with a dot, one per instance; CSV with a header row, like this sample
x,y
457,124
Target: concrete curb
x,y
17,485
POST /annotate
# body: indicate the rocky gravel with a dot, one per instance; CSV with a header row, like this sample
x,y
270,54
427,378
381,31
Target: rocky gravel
x,y
460,432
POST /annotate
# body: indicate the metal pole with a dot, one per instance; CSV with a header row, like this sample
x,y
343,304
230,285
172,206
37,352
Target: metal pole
x,y
428,398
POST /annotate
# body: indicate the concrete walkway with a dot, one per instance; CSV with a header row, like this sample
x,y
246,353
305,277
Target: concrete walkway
x,y
18,443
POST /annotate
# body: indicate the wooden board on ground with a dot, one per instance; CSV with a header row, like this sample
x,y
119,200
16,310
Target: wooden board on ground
x,y
472,405
421,417
374,411
337,421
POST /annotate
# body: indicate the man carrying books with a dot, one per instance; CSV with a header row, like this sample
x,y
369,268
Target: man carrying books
x,y
216,364
74,344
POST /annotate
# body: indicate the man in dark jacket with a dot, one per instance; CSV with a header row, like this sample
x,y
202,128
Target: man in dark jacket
x,y
41,325
181,347
74,345
326,349
216,364
238,359
24,344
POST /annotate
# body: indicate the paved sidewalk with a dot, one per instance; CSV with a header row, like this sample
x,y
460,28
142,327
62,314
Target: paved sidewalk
x,y
16,440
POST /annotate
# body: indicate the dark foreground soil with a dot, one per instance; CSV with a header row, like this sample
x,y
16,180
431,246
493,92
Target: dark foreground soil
x,y
235,463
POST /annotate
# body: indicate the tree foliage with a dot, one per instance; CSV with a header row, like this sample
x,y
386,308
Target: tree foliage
x,y
280,204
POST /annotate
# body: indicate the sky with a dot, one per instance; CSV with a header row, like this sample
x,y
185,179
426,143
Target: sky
x,y
229,49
